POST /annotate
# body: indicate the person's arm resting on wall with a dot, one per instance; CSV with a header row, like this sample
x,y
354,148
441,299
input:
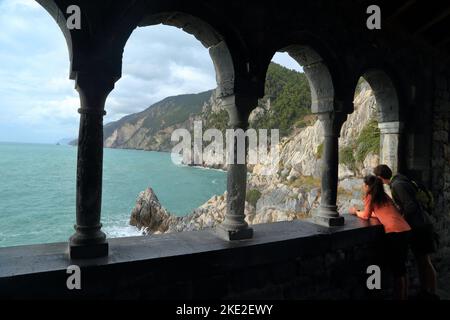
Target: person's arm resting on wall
x,y
365,214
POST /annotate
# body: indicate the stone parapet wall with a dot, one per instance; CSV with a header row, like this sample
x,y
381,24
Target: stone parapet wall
x,y
285,260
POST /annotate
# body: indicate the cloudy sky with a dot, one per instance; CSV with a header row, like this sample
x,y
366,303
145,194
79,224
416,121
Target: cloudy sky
x,y
38,102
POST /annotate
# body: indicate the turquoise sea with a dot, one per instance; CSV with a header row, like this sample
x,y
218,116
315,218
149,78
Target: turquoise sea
x,y
37,190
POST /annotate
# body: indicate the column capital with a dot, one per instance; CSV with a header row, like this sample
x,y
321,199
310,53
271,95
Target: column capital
x,y
394,127
239,107
93,88
100,78
332,122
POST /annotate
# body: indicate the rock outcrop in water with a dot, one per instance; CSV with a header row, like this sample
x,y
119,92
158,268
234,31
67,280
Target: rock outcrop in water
x,y
149,213
279,203
152,218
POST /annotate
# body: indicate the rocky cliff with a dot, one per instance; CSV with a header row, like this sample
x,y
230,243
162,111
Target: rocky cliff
x,y
300,153
151,129
289,193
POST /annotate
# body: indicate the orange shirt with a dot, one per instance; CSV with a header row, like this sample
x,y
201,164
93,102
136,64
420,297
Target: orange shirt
x,y
388,215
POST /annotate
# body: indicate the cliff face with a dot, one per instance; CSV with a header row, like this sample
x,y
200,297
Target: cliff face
x,y
300,153
151,129
289,193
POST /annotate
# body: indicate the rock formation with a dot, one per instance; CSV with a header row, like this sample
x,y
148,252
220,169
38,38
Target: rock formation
x,y
289,193
149,213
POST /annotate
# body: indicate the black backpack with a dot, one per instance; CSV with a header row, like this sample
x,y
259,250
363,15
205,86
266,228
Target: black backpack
x,y
424,197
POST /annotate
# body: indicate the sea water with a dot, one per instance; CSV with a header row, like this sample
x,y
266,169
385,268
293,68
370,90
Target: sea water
x,y
37,190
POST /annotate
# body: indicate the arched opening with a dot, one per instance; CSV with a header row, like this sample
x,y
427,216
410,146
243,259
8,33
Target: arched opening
x,y
370,135
298,85
209,38
38,117
318,75
388,117
186,90
385,94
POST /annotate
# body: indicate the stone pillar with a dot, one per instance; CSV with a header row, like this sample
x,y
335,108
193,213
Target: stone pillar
x,y
327,213
89,241
390,140
234,226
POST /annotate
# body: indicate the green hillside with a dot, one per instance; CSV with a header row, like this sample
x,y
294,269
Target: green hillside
x,y
165,113
290,101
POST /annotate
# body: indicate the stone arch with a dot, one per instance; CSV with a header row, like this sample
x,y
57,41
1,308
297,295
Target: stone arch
x,y
318,75
331,115
211,39
385,93
234,225
388,116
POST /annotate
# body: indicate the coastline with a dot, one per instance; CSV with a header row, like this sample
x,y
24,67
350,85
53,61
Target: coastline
x,y
44,176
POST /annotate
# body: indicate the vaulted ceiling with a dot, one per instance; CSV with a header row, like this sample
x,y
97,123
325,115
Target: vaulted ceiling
x,y
425,19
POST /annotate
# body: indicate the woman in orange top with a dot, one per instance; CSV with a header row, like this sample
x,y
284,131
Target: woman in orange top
x,y
378,204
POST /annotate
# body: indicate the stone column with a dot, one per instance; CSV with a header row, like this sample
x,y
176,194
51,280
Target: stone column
x,y
327,213
390,133
89,241
234,226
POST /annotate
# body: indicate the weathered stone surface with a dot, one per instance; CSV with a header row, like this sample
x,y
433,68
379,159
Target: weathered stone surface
x,y
287,260
351,184
370,162
344,172
365,109
149,214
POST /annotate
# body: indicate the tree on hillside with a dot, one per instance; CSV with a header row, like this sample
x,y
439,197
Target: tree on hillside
x,y
290,100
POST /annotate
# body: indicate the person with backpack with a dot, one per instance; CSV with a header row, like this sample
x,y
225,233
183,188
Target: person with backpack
x,y
378,204
405,195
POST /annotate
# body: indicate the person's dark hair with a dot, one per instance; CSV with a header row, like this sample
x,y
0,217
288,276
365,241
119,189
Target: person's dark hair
x,y
376,191
383,171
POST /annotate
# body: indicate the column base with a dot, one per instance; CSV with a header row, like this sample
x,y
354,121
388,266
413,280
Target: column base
x,y
231,235
87,243
88,251
328,217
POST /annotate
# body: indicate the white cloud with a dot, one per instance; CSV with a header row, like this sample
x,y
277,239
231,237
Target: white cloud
x,y
52,111
29,4
38,103
191,76
158,62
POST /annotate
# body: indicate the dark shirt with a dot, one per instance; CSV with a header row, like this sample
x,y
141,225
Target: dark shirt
x,y
404,195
